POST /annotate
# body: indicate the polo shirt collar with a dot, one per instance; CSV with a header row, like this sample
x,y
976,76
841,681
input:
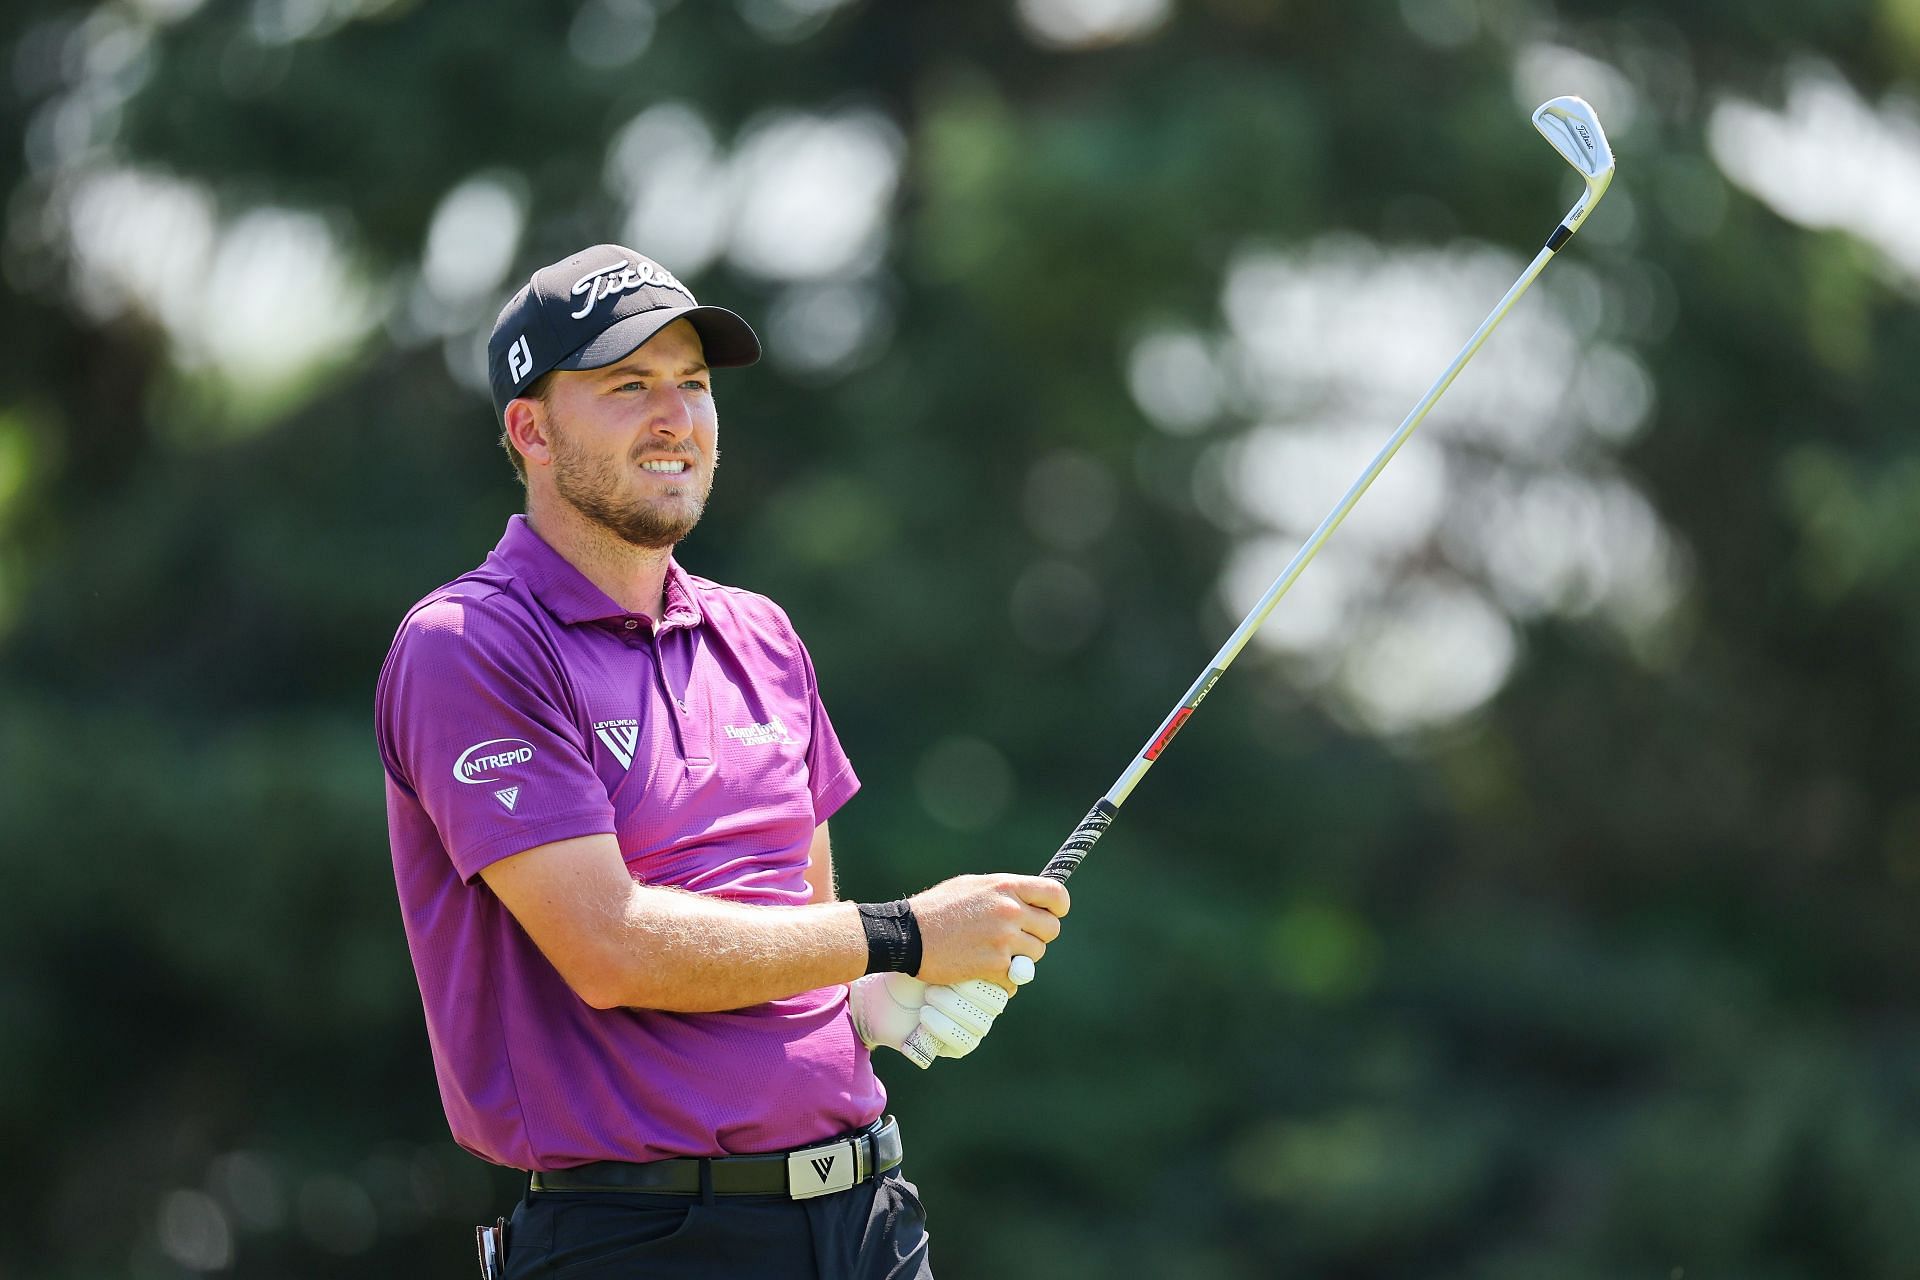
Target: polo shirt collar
x,y
683,608
569,596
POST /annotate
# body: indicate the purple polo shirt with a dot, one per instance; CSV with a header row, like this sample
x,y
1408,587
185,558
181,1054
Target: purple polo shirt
x,y
520,705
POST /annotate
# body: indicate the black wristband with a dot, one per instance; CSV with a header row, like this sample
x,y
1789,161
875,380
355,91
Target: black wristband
x,y
893,937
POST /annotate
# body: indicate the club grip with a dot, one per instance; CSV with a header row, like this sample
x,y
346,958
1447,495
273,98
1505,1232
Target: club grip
x,y
1081,842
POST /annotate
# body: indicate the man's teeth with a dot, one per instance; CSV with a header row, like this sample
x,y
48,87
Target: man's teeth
x,y
672,468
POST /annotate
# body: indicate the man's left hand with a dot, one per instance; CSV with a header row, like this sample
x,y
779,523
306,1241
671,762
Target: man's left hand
x,y
958,1017
890,1007
886,1008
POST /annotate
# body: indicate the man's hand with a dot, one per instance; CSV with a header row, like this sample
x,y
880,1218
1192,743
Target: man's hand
x,y
973,926
959,1017
886,1008
943,1021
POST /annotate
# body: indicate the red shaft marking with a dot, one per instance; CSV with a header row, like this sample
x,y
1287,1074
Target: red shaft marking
x,y
1166,734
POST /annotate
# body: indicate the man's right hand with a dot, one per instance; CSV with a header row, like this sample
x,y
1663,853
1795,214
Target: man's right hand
x,y
973,926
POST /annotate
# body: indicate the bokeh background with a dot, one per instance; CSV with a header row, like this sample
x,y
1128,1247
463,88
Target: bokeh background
x,y
1535,899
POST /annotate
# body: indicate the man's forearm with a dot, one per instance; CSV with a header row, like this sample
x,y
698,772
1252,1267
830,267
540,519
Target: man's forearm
x,y
690,953
618,943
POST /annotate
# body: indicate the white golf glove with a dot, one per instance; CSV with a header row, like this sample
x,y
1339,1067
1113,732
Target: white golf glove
x,y
924,1022
959,1017
886,1008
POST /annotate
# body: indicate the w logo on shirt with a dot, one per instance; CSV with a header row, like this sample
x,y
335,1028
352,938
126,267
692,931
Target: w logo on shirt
x,y
621,737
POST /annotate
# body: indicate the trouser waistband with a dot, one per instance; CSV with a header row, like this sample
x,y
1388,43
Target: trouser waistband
x,y
799,1175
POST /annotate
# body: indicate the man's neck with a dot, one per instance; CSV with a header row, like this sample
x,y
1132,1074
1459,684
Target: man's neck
x,y
633,577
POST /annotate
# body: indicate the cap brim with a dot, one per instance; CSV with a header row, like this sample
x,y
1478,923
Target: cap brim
x,y
727,340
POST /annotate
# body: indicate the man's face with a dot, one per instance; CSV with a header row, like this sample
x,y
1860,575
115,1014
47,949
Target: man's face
x,y
635,444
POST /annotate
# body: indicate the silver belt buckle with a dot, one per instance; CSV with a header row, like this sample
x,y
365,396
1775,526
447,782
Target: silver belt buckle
x,y
820,1171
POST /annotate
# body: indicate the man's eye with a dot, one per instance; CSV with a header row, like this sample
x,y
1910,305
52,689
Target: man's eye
x,y
695,384
631,386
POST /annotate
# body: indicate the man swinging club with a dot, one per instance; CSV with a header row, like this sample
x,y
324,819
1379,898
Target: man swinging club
x,y
608,786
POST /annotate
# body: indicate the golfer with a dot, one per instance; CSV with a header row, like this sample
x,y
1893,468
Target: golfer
x,y
608,786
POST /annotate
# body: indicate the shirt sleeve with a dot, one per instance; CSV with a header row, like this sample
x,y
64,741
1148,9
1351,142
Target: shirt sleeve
x,y
830,776
473,720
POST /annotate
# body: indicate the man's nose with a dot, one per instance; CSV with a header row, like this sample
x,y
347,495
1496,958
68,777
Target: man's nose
x,y
668,414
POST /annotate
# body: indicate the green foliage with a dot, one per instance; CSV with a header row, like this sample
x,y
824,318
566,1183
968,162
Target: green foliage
x,y
1612,979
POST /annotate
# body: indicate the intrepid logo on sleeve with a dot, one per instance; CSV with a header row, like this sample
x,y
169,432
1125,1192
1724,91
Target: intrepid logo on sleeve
x,y
481,761
759,735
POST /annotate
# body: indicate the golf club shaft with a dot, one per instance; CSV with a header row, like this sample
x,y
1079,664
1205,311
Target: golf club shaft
x,y
1101,816
919,1045
1569,124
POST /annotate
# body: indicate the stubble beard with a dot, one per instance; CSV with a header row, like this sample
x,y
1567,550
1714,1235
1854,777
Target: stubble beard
x,y
593,486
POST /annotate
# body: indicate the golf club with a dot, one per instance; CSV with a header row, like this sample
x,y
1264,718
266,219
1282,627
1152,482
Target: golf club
x,y
1573,129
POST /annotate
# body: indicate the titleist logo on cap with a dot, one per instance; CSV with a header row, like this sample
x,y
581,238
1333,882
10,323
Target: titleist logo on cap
x,y
603,283
555,320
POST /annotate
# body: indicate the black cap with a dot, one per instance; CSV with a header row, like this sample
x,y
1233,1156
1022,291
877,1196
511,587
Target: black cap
x,y
592,309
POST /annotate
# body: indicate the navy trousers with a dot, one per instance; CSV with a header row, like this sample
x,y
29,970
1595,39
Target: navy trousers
x,y
876,1230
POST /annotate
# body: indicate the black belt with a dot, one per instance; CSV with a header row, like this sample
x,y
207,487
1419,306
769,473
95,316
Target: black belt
x,y
798,1175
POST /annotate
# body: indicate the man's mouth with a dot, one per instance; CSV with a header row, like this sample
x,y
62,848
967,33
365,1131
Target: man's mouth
x,y
665,466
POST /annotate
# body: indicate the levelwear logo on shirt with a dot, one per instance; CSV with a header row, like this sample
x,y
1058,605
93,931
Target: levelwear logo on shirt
x,y
621,736
759,735
479,762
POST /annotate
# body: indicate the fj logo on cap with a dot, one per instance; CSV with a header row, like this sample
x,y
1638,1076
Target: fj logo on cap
x,y
618,278
519,359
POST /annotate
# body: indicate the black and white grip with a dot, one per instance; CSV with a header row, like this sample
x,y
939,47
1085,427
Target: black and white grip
x,y
1081,842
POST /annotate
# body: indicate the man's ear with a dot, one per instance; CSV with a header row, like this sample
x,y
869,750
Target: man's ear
x,y
527,430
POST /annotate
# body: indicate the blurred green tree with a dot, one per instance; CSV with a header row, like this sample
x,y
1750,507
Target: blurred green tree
x,y
1537,905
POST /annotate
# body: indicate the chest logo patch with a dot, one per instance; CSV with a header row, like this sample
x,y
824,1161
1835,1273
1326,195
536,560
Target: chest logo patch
x,y
483,760
759,735
620,737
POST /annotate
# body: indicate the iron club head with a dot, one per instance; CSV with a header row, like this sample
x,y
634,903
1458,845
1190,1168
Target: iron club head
x,y
1575,132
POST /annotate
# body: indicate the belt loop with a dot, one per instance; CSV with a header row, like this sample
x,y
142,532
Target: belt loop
x,y
706,1180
